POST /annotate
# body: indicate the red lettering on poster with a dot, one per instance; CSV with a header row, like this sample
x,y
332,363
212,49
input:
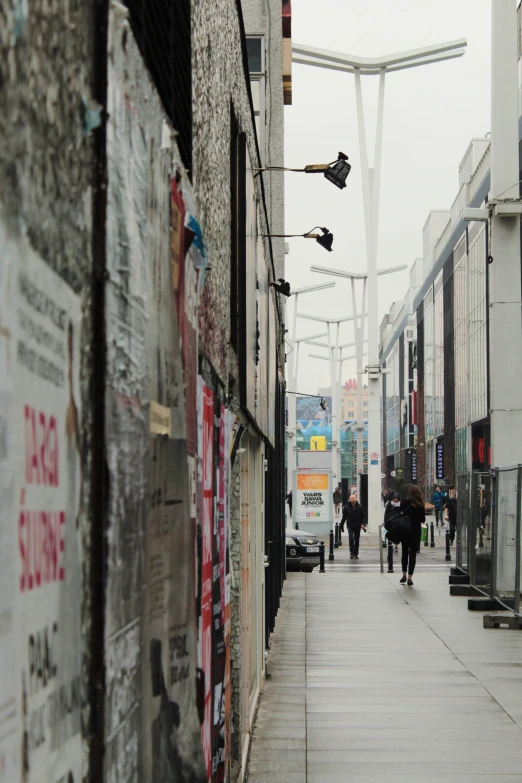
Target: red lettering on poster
x,y
41,545
41,448
206,568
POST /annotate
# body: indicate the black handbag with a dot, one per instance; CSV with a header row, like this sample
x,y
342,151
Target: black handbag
x,y
398,528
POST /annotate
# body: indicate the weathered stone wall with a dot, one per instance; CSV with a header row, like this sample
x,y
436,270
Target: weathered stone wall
x,y
46,63
264,18
219,83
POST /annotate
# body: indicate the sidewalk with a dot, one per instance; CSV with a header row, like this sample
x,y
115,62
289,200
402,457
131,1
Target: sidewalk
x,y
373,681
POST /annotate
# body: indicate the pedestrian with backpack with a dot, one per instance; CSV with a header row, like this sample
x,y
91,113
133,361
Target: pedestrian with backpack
x,y
413,509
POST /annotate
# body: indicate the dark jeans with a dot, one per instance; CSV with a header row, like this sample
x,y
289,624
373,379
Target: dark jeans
x,y
438,512
409,557
453,528
353,537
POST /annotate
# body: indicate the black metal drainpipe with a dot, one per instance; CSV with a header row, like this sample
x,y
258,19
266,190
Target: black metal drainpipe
x,y
98,488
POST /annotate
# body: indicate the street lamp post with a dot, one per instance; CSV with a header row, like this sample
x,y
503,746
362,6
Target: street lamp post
x,y
371,176
336,432
293,358
358,326
360,418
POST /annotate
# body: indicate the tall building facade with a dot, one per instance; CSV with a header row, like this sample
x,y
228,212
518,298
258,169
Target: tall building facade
x,y
434,346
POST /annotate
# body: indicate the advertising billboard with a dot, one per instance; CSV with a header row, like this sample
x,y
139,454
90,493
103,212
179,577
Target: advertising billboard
x,y
313,501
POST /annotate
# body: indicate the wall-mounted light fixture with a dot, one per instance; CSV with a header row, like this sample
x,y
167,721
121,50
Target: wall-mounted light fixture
x,y
337,171
282,287
325,239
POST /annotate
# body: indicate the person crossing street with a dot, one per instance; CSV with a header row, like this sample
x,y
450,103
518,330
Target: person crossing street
x,y
438,500
355,518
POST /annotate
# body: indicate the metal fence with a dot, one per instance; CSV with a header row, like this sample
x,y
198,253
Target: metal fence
x,y
506,557
480,532
488,536
463,516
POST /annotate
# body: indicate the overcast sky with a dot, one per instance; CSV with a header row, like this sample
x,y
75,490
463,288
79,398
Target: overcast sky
x,y
430,116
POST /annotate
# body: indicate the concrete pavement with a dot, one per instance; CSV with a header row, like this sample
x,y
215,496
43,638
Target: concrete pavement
x,y
374,681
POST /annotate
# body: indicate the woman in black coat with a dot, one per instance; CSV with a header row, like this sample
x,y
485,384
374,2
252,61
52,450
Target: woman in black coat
x,y
413,507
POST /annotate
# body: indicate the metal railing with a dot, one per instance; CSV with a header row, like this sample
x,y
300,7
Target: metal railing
x,y
506,549
488,535
463,517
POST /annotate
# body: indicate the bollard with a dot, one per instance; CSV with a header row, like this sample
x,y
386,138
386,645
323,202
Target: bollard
x,y
321,557
432,534
390,557
340,535
297,525
448,544
336,539
481,538
331,555
380,550
427,541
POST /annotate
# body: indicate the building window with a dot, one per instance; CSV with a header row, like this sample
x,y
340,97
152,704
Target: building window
x,y
255,55
256,68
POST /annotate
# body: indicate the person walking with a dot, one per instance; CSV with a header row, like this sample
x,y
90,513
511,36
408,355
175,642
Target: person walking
x,y
355,518
413,507
438,501
392,508
337,499
450,511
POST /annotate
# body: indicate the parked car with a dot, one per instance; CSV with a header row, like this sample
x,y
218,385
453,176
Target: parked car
x,y
302,550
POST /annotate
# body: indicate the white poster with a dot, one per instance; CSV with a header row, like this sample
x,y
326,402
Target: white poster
x,y
313,499
46,574
9,690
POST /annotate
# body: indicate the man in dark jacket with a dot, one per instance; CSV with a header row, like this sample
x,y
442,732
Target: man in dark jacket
x,y
438,500
355,518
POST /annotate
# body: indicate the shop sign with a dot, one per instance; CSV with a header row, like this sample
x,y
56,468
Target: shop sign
x,y
440,461
413,467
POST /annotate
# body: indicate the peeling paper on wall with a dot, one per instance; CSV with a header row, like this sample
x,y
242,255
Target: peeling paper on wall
x,y
167,133
197,248
91,115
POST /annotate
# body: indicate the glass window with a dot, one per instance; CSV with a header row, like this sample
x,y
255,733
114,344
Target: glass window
x,y
477,323
461,333
255,54
392,402
257,86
